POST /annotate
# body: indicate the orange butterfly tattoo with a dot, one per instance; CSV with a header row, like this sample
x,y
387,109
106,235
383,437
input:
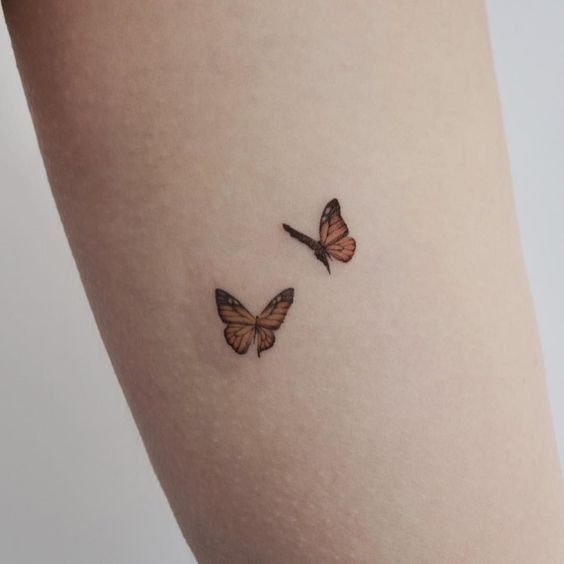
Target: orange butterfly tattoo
x,y
243,328
334,242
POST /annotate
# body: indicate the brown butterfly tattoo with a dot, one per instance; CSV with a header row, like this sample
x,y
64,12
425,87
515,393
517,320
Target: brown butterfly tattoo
x,y
243,328
334,242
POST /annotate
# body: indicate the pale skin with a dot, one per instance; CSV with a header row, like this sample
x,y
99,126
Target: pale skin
x,y
401,416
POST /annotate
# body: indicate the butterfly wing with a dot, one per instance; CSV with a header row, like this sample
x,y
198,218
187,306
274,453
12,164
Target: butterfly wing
x,y
333,233
241,324
239,337
274,313
343,249
272,317
266,339
231,310
332,226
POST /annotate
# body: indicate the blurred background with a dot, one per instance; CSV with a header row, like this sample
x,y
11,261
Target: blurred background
x,y
75,484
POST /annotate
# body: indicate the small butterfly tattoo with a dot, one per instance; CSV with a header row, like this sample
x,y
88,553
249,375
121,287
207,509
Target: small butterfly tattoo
x,y
334,242
243,328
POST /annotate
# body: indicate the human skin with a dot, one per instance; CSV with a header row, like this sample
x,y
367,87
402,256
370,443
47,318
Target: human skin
x,y
401,416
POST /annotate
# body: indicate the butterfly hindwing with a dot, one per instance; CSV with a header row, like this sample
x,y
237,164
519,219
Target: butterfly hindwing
x,y
343,249
239,337
266,339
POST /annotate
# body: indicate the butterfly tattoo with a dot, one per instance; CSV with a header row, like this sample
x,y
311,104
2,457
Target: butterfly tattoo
x,y
334,242
243,328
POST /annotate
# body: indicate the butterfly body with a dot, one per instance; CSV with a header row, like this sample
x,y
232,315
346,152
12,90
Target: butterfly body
x,y
334,242
243,328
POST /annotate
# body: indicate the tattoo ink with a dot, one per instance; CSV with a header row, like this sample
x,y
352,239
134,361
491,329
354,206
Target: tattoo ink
x,y
243,327
334,242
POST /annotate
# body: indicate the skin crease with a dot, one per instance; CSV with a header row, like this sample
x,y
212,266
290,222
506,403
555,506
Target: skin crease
x,y
401,416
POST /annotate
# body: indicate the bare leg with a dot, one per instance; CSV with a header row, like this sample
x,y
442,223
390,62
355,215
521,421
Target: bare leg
x,y
401,416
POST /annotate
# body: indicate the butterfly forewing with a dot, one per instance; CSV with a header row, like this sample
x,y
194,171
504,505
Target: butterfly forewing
x,y
231,310
274,313
332,226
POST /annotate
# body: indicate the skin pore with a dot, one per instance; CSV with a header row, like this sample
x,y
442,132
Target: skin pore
x,y
401,416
